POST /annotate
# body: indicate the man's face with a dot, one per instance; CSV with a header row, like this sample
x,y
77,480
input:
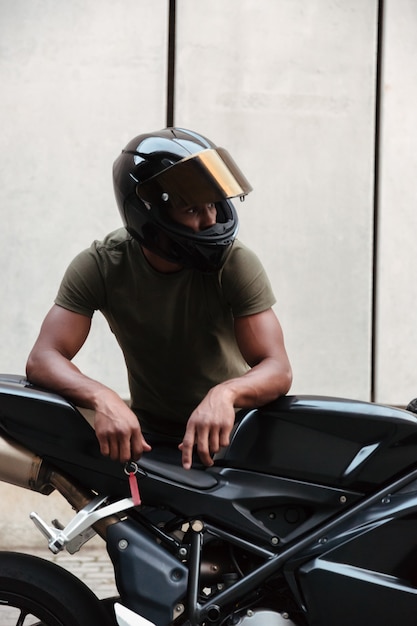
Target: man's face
x,y
197,217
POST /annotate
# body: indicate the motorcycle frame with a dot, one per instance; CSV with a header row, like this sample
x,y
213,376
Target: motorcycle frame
x,y
375,510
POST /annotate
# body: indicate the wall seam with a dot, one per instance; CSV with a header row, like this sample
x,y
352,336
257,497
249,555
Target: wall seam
x,y
170,112
377,147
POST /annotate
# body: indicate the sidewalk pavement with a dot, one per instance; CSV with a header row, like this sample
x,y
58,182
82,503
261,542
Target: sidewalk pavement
x,y
92,565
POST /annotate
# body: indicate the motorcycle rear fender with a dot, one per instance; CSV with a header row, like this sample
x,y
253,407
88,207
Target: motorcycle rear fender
x,y
53,428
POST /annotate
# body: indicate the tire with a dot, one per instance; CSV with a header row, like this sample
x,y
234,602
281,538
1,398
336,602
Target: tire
x,y
36,592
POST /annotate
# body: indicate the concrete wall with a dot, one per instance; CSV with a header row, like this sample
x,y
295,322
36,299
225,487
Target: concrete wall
x,y
78,80
288,86
396,328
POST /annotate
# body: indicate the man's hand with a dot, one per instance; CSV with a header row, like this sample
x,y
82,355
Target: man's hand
x,y
118,430
209,426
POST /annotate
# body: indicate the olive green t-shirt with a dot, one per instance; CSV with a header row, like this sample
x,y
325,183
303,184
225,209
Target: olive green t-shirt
x,y
175,330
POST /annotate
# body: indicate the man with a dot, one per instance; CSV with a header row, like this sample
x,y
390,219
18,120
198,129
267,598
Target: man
x,y
189,305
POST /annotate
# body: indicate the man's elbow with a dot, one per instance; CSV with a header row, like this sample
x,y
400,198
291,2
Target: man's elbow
x,y
284,381
287,382
34,367
30,368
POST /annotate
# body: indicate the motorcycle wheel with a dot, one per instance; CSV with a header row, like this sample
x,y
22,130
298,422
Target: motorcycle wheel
x,y
36,592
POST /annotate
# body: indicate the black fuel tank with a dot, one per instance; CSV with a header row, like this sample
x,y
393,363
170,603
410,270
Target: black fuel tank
x,y
334,441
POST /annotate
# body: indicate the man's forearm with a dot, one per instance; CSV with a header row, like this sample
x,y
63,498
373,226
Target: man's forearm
x,y
53,371
263,383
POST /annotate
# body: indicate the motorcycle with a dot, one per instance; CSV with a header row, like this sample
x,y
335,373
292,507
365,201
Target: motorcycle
x,y
307,518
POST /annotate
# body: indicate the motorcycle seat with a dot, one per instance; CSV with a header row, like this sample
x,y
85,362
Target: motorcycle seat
x,y
195,478
53,428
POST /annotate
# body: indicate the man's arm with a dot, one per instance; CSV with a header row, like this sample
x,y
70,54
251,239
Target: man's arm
x,y
50,365
260,340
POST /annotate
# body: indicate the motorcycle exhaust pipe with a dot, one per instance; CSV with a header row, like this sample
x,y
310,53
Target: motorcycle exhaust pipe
x,y
20,467
23,468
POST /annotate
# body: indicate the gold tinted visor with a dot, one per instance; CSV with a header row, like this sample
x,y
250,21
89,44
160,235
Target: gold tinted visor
x,y
208,176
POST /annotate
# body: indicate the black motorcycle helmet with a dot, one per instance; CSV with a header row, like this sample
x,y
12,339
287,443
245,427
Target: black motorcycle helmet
x,y
176,168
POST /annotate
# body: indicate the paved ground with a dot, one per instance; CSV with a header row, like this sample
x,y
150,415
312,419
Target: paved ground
x,y
91,565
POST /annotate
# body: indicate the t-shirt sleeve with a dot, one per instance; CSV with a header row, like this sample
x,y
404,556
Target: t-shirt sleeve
x,y
245,283
82,288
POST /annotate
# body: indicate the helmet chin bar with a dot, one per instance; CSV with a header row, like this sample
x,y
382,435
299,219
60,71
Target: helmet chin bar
x,y
205,251
202,260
